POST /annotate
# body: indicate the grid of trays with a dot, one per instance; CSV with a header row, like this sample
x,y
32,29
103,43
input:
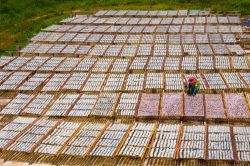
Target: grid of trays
x,y
173,49
58,138
146,28
138,33
110,87
148,64
227,106
13,130
137,140
165,141
159,39
192,142
164,13
80,145
29,139
140,139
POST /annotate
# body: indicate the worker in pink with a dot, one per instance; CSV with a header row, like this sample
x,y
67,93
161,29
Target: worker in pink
x,y
193,86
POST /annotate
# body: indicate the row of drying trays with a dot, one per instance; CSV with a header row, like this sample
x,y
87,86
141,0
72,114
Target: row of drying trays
x,y
92,38
124,65
224,107
153,21
138,140
109,13
140,50
149,82
138,29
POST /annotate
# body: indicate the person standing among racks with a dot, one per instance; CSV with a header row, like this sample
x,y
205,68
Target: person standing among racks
x,y
193,86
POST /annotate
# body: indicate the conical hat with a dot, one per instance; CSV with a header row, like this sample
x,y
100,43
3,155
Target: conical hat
x,y
192,80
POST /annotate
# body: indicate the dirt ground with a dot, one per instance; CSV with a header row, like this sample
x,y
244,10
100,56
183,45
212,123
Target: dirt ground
x,y
3,102
11,163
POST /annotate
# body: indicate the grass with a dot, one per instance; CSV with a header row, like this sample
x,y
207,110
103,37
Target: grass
x,y
20,19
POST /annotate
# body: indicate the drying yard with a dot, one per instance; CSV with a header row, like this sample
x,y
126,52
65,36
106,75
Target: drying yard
x,y
109,89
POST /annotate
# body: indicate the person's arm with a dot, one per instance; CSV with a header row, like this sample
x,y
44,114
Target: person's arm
x,y
198,85
189,88
186,84
195,91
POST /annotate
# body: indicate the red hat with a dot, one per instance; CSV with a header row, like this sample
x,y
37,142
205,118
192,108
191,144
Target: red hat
x,y
192,80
